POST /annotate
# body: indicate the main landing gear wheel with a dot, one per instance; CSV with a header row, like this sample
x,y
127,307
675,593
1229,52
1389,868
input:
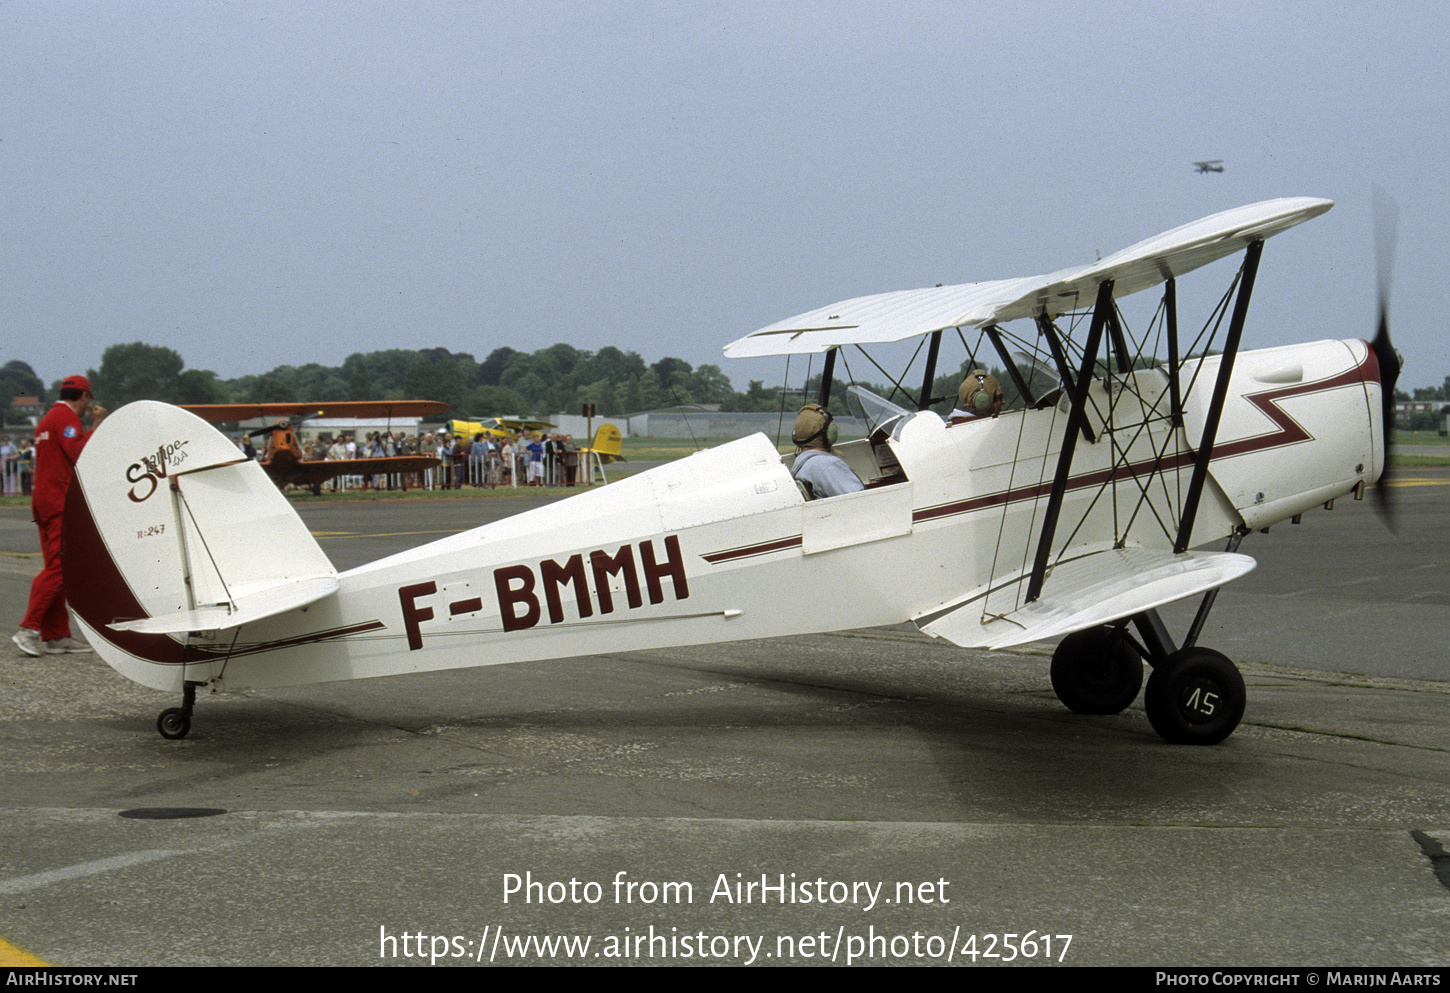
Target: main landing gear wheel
x,y
173,723
1096,671
1195,697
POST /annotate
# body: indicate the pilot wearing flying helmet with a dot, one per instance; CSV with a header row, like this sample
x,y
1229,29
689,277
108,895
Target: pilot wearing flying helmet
x,y
980,396
822,472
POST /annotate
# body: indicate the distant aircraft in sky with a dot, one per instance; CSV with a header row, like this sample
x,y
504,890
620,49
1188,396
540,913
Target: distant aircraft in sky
x,y
1212,165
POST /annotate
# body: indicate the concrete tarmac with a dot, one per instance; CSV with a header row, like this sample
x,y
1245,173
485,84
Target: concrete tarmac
x,y
869,797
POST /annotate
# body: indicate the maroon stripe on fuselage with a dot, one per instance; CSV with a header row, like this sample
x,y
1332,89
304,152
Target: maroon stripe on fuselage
x,y
745,551
254,648
1287,431
1290,431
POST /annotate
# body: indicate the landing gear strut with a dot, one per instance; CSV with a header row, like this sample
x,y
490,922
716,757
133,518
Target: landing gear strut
x,y
175,722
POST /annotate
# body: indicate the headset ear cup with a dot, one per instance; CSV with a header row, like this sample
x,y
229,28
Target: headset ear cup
x,y
804,422
982,401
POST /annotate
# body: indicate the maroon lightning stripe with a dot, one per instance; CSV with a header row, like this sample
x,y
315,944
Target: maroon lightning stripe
x,y
1287,431
1290,431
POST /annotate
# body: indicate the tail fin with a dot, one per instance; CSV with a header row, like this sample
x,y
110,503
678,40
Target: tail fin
x,y
169,530
608,444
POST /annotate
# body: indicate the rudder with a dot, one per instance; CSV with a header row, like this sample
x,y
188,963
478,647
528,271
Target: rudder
x,y
169,529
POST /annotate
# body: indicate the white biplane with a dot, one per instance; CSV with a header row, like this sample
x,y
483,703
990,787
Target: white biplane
x,y
1070,516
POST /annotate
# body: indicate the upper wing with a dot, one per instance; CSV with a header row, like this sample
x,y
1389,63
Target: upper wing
x,y
470,428
907,313
340,408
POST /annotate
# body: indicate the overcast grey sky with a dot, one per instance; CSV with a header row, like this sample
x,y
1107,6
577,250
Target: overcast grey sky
x,y
255,184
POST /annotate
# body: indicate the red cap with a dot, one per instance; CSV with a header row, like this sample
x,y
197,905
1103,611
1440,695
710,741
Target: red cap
x,y
76,383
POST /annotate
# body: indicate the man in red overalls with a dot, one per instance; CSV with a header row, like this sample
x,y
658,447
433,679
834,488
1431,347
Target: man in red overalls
x,y
59,438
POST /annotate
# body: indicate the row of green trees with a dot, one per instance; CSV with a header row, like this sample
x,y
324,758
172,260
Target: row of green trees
x,y
550,380
558,378
17,379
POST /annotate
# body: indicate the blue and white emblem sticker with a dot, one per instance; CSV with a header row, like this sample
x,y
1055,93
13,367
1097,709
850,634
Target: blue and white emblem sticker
x,y
70,431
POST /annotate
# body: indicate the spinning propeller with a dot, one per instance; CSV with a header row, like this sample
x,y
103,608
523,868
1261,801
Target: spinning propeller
x,y
1386,221
284,424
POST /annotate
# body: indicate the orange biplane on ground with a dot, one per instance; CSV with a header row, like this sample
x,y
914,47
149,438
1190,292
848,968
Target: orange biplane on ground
x,y
283,458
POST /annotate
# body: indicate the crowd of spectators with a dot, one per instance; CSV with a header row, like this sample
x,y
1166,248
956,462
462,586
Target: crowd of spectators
x,y
17,464
524,459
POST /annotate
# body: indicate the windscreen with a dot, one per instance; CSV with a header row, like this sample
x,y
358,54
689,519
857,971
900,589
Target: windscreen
x,y
879,413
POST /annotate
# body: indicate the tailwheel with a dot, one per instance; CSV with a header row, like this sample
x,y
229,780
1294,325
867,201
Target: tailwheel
x,y
173,723
1097,671
1195,697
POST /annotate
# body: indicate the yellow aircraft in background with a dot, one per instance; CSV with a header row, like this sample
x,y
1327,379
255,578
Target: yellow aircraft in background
x,y
468,429
607,445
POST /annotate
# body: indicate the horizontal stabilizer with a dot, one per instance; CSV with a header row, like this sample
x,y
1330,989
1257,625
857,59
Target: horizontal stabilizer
x,y
1081,593
242,610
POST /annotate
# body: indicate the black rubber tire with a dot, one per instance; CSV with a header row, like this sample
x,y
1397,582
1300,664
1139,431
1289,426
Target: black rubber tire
x,y
1195,697
173,723
1096,671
